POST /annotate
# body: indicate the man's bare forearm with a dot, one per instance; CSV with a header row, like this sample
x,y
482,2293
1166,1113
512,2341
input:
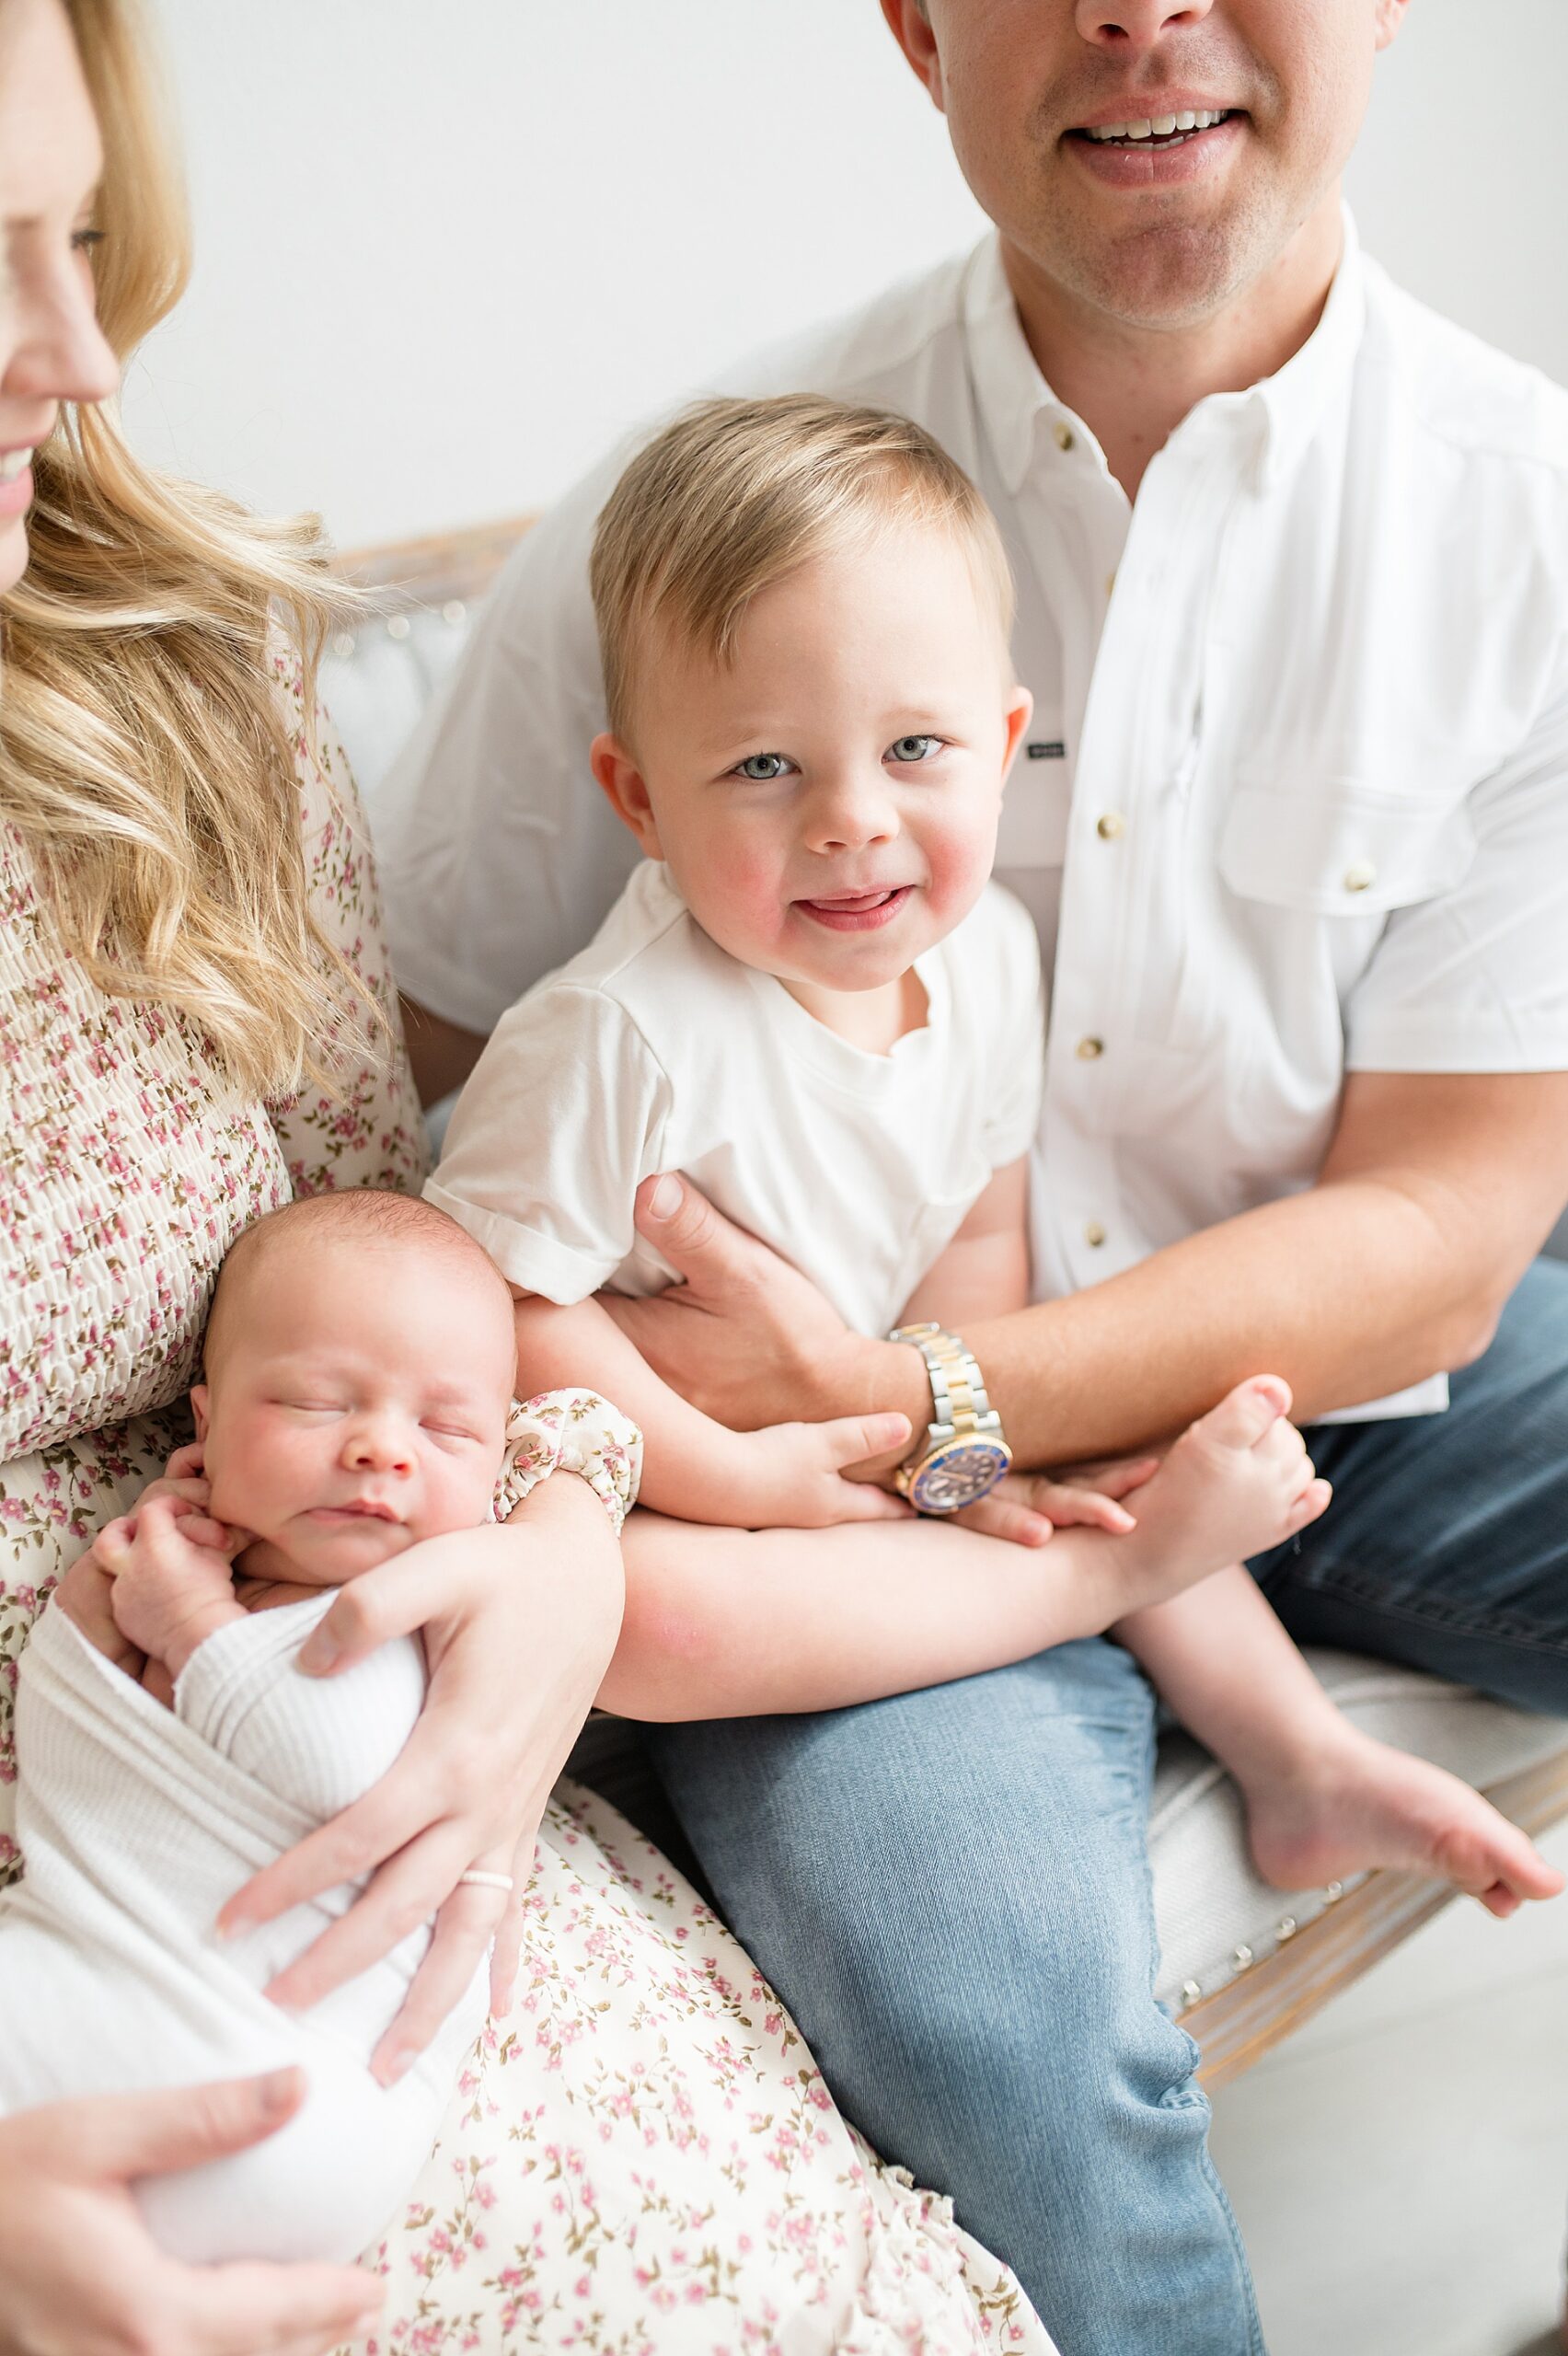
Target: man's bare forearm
x,y
1438,1192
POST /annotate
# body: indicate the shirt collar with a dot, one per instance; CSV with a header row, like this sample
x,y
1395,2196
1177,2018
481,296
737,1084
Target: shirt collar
x,y
1017,406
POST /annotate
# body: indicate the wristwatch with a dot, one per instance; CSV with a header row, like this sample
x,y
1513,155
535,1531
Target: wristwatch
x,y
962,1454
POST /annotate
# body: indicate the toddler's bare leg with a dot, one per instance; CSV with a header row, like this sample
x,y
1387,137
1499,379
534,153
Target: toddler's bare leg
x,y
1324,1800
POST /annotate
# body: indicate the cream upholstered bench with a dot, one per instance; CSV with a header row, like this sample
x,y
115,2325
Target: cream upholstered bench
x,y
1243,1964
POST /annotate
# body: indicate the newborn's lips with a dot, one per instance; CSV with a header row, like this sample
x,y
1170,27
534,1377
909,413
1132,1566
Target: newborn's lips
x,y
857,911
355,1510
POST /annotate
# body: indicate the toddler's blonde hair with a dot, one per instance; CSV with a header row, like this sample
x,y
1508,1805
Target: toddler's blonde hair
x,y
735,494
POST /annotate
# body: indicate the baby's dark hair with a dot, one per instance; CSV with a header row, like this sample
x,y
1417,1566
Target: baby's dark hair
x,y
373,1214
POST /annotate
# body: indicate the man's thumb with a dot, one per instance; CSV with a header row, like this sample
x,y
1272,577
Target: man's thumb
x,y
178,2127
685,1228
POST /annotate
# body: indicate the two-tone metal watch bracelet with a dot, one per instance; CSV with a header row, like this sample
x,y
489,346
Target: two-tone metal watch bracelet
x,y
963,1453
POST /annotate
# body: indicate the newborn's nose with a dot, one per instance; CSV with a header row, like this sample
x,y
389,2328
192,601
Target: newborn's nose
x,y
375,1448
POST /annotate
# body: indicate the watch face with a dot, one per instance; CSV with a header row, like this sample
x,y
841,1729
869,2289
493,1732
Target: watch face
x,y
958,1474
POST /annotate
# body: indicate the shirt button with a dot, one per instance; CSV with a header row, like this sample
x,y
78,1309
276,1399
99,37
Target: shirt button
x,y
1094,1234
1111,825
1358,877
1063,437
1090,1051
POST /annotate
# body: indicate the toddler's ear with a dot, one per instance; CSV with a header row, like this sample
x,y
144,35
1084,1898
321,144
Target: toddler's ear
x,y
199,1396
1020,707
621,783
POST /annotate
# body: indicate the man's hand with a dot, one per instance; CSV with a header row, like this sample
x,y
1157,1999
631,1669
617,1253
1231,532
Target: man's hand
x,y
80,2275
746,1338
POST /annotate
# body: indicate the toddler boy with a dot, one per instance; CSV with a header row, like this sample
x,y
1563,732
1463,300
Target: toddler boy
x,y
811,1000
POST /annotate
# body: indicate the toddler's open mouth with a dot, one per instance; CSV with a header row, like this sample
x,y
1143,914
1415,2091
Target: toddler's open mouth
x,y
857,911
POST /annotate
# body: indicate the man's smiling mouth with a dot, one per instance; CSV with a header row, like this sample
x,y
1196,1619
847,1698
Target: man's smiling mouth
x,y
1157,131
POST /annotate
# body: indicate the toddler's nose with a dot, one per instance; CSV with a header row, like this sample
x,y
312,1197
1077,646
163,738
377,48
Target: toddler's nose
x,y
850,812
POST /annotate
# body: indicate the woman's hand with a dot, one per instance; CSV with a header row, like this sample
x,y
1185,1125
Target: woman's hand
x,y
519,1623
746,1338
81,2276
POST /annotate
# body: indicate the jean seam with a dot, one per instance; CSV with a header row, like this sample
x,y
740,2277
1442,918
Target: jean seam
x,y
1521,1635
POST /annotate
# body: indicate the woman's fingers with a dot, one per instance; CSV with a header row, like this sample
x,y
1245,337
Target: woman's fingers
x,y
106,2139
506,1949
403,1893
396,1598
249,2310
464,1929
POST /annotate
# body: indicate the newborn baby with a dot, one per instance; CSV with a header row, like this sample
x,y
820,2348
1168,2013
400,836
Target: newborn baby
x,y
358,1370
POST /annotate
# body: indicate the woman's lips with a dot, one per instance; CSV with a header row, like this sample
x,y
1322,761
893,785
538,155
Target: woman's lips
x,y
857,911
17,496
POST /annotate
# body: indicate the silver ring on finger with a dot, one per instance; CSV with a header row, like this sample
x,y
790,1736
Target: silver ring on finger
x,y
484,1881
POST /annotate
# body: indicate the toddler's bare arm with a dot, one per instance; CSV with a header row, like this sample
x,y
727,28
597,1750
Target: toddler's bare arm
x,y
790,1474
984,1272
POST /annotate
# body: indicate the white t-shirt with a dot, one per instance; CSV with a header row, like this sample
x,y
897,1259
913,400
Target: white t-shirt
x,y
656,1050
1294,798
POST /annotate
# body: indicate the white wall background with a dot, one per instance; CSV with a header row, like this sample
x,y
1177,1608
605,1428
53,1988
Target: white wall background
x,y
447,249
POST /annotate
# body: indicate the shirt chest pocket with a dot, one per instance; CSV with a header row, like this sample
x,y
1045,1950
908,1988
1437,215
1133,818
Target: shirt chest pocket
x,y
1337,846
1285,912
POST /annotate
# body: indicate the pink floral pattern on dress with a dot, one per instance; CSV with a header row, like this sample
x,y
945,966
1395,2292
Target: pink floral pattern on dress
x,y
642,2160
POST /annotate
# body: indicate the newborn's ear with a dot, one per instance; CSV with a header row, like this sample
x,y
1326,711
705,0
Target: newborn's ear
x,y
199,1408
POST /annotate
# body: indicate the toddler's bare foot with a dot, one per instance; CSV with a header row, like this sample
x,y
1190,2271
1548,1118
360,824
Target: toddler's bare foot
x,y
1350,1803
1238,1481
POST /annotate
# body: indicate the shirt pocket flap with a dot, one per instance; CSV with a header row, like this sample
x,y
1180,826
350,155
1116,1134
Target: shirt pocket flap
x,y
1339,848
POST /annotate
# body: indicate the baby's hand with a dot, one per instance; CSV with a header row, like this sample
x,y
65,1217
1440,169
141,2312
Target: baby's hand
x,y
173,1586
1026,1507
793,1476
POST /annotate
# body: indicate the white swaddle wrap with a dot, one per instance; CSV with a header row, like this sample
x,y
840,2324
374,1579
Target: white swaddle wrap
x,y
137,1822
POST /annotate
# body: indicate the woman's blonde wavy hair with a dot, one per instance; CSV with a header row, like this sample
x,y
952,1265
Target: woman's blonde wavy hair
x,y
145,748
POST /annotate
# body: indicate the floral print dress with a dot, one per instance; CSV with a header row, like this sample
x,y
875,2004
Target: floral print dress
x,y
641,2158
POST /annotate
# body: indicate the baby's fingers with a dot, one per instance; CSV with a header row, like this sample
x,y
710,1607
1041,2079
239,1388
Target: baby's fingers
x,y
1001,1516
1087,1508
863,1501
852,1440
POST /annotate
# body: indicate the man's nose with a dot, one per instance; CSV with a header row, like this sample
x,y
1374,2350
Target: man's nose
x,y
1136,26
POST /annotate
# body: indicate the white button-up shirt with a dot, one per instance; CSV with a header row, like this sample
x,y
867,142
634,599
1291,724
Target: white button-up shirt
x,y
1295,797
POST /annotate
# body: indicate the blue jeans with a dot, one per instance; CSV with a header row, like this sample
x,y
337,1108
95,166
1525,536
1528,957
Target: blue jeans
x,y
950,1889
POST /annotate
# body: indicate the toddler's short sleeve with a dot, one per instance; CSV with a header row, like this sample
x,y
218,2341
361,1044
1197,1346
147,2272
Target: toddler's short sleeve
x,y
1017,1064
561,1121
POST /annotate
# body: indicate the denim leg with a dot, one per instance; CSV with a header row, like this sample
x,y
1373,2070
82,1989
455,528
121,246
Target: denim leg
x,y
1446,1543
951,1891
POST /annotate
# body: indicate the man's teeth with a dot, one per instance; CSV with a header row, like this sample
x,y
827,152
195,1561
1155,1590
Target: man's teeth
x,y
12,464
1161,126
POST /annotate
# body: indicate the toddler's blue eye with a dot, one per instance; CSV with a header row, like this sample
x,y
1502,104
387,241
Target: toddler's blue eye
x,y
913,748
761,768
